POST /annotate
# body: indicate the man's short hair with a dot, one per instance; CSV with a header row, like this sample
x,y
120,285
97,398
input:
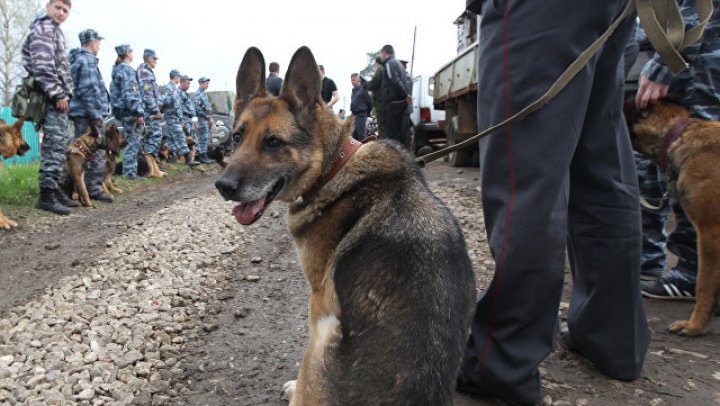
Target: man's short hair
x,y
274,67
388,49
66,2
354,75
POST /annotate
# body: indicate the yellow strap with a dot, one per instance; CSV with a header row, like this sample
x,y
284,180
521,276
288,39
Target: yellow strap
x,y
665,28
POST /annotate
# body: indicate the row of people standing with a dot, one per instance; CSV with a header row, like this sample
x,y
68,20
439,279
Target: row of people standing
x,y
75,89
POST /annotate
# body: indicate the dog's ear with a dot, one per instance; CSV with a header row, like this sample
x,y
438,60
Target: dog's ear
x,y
18,124
250,80
301,88
94,131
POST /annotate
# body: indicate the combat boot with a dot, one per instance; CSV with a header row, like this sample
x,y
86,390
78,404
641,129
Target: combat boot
x,y
190,161
92,182
203,158
48,201
63,199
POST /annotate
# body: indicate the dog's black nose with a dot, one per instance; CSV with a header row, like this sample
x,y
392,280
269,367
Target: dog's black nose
x,y
226,185
23,149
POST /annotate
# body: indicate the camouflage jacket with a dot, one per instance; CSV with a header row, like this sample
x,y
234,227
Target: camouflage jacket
x,y
149,89
171,100
45,57
203,107
656,70
188,106
125,97
91,96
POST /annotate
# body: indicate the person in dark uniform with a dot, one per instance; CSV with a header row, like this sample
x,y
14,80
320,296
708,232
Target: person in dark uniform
x,y
360,107
328,90
561,178
397,96
274,81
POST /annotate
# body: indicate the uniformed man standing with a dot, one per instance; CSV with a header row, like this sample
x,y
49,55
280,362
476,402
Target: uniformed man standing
x,y
151,104
90,105
188,106
203,109
44,58
173,116
127,106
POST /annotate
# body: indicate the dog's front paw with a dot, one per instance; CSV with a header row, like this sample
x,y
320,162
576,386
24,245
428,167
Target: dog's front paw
x,y
6,223
686,328
288,390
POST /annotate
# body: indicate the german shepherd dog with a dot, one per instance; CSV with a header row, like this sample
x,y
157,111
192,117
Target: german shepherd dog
x,y
112,149
11,144
79,151
695,181
392,286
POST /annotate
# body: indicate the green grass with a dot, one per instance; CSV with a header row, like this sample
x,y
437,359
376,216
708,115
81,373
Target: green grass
x,y
19,186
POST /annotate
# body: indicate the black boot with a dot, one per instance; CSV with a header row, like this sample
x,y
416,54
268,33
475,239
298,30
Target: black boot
x,y
92,182
203,158
190,161
63,199
48,201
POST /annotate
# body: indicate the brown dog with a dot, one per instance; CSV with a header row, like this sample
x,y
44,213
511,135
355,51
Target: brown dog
x,y
11,144
79,151
112,149
693,157
392,286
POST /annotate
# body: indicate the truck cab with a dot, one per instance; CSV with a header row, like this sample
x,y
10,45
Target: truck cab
x,y
428,124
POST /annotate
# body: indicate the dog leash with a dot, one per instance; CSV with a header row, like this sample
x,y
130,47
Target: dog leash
x,y
654,15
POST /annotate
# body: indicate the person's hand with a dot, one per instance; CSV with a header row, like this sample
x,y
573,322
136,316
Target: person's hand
x,y
141,120
157,116
62,105
649,92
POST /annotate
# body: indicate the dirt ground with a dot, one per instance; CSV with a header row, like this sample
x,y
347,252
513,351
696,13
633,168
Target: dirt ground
x,y
253,341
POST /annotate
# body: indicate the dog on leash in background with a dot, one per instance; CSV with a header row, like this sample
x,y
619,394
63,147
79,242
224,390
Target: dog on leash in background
x,y
691,150
112,150
392,286
79,151
11,144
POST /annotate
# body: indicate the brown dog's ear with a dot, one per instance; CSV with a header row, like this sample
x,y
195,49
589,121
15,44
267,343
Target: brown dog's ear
x,y
18,124
250,80
301,88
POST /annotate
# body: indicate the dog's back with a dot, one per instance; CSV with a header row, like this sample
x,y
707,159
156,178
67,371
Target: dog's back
x,y
403,280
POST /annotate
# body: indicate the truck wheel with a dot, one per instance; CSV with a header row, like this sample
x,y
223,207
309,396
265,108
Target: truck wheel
x,y
462,157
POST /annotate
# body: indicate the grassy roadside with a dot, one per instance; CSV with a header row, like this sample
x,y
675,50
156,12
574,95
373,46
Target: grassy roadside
x,y
19,187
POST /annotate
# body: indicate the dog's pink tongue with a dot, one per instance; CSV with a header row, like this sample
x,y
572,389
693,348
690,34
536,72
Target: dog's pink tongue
x,y
245,213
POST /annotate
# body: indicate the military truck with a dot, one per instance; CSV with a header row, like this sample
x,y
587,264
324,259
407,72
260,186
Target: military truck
x,y
455,91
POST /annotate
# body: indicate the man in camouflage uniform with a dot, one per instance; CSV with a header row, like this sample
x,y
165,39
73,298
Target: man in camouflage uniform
x,y
203,109
188,106
45,58
90,105
151,103
127,106
698,86
173,116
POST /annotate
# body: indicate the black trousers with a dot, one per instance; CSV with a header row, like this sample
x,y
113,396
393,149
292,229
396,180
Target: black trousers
x,y
562,178
397,120
360,131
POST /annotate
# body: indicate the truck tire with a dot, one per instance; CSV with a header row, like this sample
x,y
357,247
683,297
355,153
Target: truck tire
x,y
462,157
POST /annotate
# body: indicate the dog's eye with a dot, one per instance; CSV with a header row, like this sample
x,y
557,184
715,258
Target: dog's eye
x,y
237,137
274,142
